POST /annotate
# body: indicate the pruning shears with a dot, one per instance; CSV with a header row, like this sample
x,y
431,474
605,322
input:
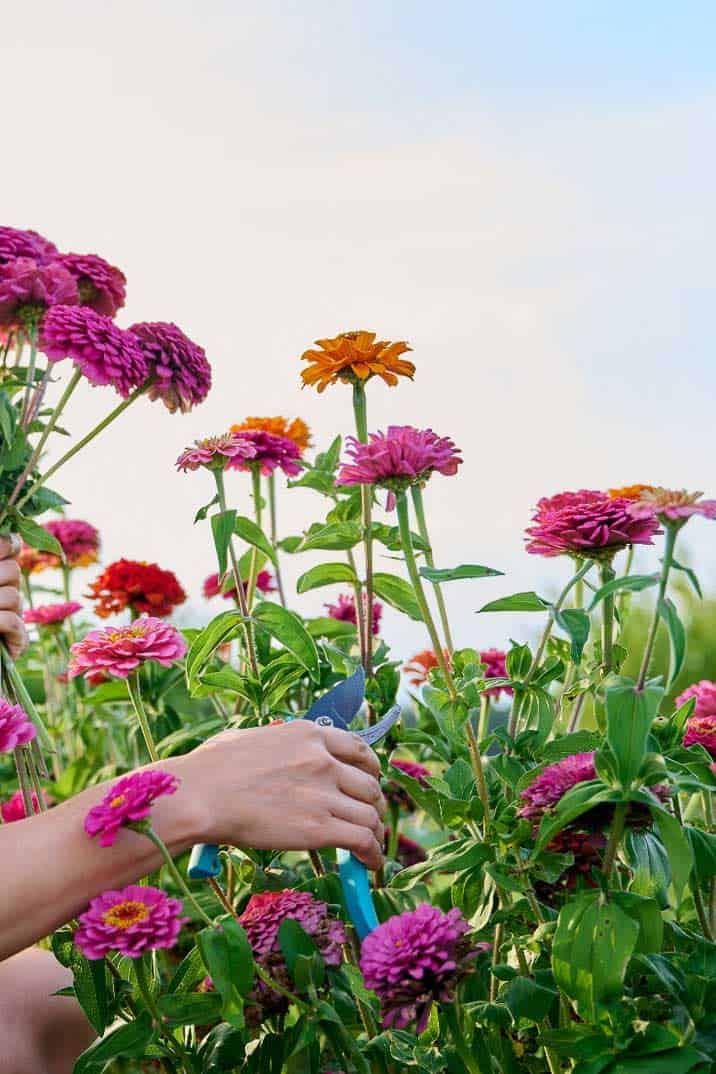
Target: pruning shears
x,y
336,708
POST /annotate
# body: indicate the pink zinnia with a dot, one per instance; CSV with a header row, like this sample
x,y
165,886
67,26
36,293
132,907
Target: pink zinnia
x,y
588,524
131,921
673,505
119,651
180,371
104,353
51,614
212,586
127,802
271,452
495,668
395,793
14,808
705,694
15,727
702,730
554,781
345,610
28,288
398,458
15,242
78,539
101,286
415,959
216,452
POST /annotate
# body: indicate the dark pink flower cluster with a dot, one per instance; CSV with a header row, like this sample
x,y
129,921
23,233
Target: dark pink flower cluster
x,y
399,457
554,781
29,287
344,610
15,242
131,921
212,586
705,694
51,614
128,801
100,285
415,959
104,353
15,727
702,730
588,524
119,651
271,452
180,371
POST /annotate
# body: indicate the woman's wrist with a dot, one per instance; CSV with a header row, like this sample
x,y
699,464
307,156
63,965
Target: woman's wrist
x,y
183,818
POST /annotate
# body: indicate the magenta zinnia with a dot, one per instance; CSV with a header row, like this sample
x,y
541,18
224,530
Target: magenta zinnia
x,y
495,668
705,694
104,353
101,286
213,586
14,808
51,614
15,727
128,802
702,730
216,452
554,781
79,541
588,524
28,288
400,457
415,959
271,452
344,610
131,921
119,651
15,242
180,371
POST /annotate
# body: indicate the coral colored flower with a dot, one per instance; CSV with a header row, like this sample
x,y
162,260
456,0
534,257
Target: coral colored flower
x,y
131,921
216,452
400,457
212,586
15,728
673,505
101,286
143,587
495,668
14,242
51,614
588,524
415,959
31,560
28,288
180,370
104,353
271,452
702,730
119,651
128,801
14,808
354,357
630,492
705,694
419,666
345,610
295,430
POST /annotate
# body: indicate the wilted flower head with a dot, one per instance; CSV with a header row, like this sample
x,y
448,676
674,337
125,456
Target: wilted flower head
x,y
415,959
119,651
131,921
180,370
104,353
213,587
295,430
702,730
15,242
705,694
495,668
216,452
419,666
344,610
270,453
101,286
400,457
143,587
673,505
28,288
15,727
355,357
129,801
14,808
51,614
588,524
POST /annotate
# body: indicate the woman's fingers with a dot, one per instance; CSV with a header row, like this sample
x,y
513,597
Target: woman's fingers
x,y
12,629
357,839
347,747
9,572
10,599
10,546
365,816
357,784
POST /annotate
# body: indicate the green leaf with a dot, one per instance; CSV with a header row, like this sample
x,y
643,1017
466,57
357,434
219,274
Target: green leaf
x,y
189,973
690,575
130,1041
576,623
703,847
676,844
248,531
630,714
675,1061
389,536
646,913
37,536
398,593
229,962
222,529
527,999
324,627
518,602
453,574
326,574
222,1050
634,583
298,949
287,628
90,985
222,628
335,537
677,637
649,863
193,1008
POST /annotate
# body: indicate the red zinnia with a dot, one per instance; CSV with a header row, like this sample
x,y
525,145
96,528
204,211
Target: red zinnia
x,y
143,587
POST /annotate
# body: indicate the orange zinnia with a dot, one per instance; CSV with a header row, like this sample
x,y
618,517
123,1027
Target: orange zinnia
x,y
295,430
419,667
630,492
355,356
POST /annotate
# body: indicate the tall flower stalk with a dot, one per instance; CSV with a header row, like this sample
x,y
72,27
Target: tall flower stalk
x,y
672,529
273,534
361,420
419,508
238,582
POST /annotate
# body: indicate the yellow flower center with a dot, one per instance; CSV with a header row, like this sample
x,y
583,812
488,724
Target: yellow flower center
x,y
118,801
127,632
126,914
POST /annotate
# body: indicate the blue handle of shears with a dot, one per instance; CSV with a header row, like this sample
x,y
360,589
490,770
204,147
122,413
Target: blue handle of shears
x,y
204,862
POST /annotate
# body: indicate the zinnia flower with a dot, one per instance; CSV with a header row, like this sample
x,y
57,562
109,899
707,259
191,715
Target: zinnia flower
x,y
345,610
415,959
409,852
398,458
355,357
588,524
131,921
14,808
495,668
396,794
104,353
143,587
15,242
15,727
673,505
79,541
702,730
28,288
419,666
295,430
270,453
101,286
180,371
51,614
119,651
128,802
216,452
705,694
213,588
587,849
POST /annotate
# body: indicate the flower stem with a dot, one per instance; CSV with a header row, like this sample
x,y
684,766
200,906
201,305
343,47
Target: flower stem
x,y
366,492
615,836
607,574
32,335
483,724
176,875
253,568
479,772
271,482
23,698
135,696
406,541
140,972
670,541
238,583
417,495
450,1013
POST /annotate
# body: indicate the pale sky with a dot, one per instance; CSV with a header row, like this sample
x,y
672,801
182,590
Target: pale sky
x,y
524,192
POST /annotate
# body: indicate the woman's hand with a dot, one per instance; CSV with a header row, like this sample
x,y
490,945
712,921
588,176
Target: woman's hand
x,y
12,628
296,786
